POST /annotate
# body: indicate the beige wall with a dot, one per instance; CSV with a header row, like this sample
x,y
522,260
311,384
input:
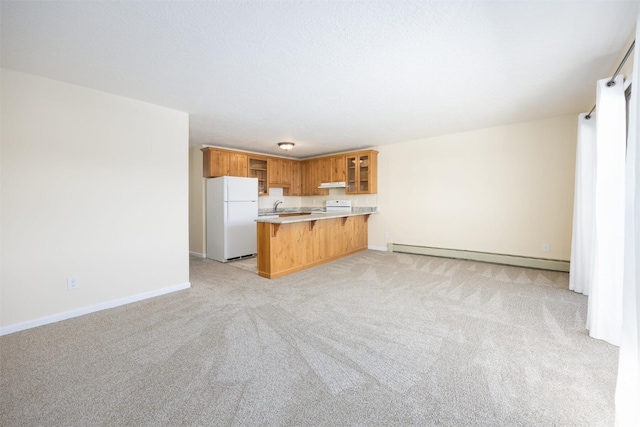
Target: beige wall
x,y
503,190
93,186
197,240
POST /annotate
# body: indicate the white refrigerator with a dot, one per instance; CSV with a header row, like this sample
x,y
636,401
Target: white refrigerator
x,y
232,208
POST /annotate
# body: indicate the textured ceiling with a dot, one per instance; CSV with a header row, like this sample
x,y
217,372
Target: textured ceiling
x,y
330,76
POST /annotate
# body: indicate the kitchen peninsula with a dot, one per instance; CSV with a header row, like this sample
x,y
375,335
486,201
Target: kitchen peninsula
x,y
294,241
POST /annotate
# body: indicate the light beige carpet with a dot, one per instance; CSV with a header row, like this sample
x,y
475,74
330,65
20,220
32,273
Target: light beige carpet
x,y
248,264
372,339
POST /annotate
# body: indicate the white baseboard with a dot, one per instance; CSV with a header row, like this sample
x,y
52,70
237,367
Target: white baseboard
x,y
5,330
378,248
520,261
198,254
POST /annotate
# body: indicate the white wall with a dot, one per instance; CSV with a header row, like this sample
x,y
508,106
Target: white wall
x,y
93,186
503,190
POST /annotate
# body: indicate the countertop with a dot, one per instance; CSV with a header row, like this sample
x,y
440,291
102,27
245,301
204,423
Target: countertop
x,y
315,215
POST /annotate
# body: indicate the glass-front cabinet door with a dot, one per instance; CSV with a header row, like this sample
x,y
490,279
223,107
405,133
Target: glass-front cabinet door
x,y
352,185
361,173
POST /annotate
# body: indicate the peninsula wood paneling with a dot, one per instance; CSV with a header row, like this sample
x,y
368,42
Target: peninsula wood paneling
x,y
287,248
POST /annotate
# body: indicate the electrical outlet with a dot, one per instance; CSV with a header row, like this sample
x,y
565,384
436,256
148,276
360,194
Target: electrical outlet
x,y
72,283
386,235
545,247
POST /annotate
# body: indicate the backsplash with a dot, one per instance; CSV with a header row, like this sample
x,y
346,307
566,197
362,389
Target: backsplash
x,y
275,194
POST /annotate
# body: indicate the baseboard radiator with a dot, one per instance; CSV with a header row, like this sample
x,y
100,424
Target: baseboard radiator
x,y
539,263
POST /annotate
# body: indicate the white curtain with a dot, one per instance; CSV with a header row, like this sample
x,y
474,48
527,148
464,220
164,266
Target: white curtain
x,y
604,315
628,387
583,206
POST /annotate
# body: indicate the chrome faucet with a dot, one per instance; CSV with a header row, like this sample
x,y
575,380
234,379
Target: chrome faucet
x,y
275,205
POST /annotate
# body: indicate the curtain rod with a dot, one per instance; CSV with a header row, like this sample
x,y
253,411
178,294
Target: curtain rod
x,y
611,82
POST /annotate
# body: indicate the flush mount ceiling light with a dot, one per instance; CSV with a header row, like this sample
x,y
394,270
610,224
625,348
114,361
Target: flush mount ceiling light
x,y
286,145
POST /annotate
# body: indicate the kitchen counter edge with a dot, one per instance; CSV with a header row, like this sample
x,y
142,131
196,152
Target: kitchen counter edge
x,y
313,217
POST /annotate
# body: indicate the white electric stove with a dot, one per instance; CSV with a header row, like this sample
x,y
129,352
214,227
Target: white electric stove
x,y
338,206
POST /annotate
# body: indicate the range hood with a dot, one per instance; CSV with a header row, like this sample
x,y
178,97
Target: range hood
x,y
339,184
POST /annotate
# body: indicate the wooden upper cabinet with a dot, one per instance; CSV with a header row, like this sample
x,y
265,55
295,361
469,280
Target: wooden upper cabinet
x,y
274,167
280,172
306,169
286,170
320,170
297,178
215,162
238,164
312,173
218,162
338,169
295,188
362,172
304,178
325,166
323,169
